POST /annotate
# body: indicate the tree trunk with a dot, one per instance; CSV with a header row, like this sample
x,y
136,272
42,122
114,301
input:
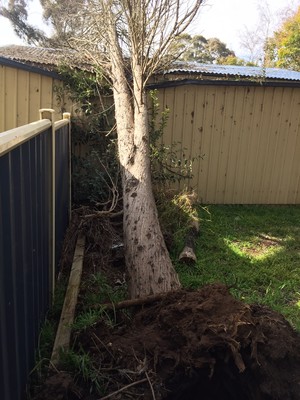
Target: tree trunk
x,y
147,259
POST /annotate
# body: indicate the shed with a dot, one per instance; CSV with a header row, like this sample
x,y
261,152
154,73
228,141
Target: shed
x,y
29,80
242,127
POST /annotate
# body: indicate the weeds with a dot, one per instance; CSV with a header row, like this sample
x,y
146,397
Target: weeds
x,y
80,365
91,317
86,319
46,340
97,290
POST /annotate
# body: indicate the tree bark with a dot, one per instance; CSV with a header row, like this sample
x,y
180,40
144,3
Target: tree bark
x,y
147,259
188,255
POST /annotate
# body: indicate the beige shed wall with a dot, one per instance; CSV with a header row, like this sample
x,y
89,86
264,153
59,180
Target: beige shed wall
x,y
248,136
23,93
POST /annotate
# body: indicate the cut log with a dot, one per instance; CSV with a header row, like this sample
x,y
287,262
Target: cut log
x,y
188,255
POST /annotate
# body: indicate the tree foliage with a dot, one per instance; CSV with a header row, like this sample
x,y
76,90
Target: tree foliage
x,y
233,60
283,49
95,170
17,12
58,15
198,48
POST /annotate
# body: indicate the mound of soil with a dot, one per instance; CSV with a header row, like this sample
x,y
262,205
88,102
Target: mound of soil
x,y
199,344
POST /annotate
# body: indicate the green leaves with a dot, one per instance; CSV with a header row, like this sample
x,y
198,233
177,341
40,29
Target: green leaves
x,y
283,49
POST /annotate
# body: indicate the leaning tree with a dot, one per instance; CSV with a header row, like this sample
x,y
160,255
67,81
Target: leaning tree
x,y
130,40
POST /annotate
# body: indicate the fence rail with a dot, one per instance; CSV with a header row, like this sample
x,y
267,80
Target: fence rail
x,y
34,214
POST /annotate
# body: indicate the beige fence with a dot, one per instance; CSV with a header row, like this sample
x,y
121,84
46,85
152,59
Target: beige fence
x,y
248,137
23,93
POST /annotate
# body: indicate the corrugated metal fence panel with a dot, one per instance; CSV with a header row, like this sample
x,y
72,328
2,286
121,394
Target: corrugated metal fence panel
x,y
25,176
26,242
248,137
62,186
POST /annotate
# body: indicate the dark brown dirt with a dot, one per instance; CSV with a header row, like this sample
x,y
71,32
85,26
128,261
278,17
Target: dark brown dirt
x,y
190,345
193,345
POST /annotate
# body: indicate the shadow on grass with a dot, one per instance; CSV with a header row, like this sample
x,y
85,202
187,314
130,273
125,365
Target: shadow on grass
x,y
253,249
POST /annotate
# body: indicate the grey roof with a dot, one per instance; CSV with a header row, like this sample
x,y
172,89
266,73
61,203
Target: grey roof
x,y
50,59
233,70
27,67
45,58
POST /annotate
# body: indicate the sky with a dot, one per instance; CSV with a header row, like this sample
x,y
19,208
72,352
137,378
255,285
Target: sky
x,y
226,20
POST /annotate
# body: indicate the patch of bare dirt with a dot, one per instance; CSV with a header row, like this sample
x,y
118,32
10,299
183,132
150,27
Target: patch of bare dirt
x,y
262,245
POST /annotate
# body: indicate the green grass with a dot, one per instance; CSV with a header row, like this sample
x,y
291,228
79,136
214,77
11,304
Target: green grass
x,y
254,249
97,290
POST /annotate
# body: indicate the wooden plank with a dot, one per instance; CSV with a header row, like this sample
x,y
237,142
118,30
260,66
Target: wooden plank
x,y
62,340
2,98
15,137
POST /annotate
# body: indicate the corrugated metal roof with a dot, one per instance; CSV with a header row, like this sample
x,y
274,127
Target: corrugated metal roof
x,y
46,58
233,70
28,67
49,59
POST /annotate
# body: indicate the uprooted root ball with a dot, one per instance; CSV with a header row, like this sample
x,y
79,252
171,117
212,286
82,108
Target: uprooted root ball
x,y
200,344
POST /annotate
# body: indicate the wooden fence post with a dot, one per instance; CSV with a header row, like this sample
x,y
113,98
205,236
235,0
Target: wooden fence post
x,y
67,115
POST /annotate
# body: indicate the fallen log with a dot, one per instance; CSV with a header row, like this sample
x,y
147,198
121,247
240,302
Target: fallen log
x,y
188,203
188,255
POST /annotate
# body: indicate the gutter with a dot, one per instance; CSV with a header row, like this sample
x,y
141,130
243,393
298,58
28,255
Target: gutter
x,y
217,82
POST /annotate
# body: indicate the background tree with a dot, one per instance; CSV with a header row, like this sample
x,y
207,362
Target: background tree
x,y
233,60
283,48
17,12
256,42
198,48
253,40
217,50
58,15
190,48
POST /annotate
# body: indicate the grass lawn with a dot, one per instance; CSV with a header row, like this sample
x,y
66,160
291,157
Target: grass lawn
x,y
254,249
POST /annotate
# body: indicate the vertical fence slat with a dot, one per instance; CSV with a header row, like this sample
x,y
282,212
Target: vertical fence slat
x,y
9,285
248,137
